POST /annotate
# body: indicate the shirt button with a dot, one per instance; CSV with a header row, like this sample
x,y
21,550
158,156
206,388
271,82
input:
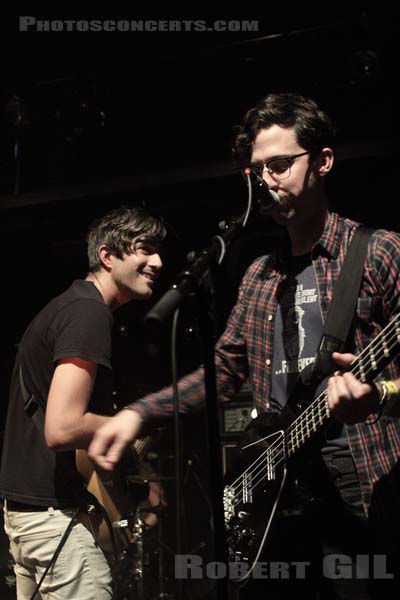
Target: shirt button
x,y
270,317
268,362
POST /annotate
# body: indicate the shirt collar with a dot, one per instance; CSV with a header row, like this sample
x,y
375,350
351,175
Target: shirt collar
x,y
329,242
331,236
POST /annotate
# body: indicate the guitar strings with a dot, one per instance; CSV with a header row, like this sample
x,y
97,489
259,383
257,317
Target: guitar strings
x,y
277,449
140,446
358,368
280,449
250,469
318,404
279,452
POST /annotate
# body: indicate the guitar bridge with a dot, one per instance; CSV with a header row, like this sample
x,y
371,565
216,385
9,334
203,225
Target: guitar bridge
x,y
121,524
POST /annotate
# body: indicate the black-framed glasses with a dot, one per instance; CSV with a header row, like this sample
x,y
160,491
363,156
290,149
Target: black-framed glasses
x,y
278,168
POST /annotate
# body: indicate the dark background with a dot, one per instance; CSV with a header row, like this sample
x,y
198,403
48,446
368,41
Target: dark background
x,y
90,121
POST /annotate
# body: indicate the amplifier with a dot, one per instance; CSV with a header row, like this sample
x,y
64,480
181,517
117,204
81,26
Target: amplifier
x,y
237,414
235,418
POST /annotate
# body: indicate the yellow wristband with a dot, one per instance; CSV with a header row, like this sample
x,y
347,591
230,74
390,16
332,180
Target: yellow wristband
x,y
389,398
391,388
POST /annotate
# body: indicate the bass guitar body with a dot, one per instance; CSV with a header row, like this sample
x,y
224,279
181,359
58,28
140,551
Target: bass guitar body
x,y
252,500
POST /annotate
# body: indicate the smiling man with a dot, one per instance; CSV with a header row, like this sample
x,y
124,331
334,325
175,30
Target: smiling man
x,y
63,362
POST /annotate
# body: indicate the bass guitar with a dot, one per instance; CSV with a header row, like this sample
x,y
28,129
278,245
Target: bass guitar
x,y
251,500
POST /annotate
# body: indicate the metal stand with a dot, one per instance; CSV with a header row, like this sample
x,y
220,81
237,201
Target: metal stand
x,y
161,557
214,443
190,280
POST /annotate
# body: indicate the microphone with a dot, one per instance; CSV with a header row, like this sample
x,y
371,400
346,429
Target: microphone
x,y
266,198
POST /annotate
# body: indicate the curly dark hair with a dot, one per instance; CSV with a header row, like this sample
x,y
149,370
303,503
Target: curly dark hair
x,y
116,230
313,127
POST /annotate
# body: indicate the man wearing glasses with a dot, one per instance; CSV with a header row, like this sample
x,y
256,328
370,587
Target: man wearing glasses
x,y
274,330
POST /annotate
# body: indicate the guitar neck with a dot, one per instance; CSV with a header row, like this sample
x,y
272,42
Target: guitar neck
x,y
372,360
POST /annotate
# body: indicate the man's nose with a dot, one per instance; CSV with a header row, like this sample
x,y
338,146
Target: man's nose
x,y
269,180
155,261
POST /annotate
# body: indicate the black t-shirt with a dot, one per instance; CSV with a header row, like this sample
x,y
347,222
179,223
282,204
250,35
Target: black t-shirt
x,y
75,324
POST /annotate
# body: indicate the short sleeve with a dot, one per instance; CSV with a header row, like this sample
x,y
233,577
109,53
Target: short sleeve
x,y
82,329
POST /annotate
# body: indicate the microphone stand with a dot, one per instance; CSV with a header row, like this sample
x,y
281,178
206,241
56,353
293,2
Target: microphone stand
x,y
214,443
189,280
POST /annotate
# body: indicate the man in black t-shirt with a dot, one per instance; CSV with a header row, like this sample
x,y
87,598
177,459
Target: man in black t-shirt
x,y
63,364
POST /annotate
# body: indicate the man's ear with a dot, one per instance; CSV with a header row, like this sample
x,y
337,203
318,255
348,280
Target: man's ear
x,y
105,256
325,162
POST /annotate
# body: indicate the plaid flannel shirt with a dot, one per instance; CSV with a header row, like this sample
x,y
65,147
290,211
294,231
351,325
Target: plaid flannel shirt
x,y
245,348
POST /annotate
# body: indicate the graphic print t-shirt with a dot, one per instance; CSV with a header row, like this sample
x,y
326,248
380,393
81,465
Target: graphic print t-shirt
x,y
298,329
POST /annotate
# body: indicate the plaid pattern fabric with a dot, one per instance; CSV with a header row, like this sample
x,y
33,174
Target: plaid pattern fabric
x,y
246,346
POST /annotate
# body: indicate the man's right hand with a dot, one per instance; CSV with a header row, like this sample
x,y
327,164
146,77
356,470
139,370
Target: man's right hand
x,y
111,439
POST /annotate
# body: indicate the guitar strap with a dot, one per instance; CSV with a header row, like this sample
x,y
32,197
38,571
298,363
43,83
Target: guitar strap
x,y
341,309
